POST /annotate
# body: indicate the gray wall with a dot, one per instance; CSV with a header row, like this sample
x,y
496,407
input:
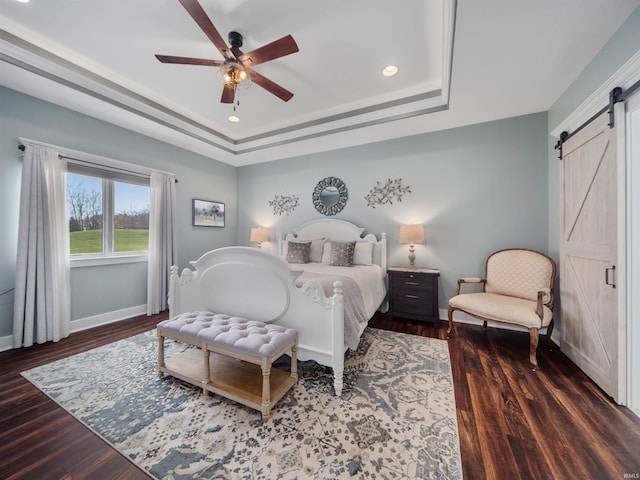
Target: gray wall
x,y
97,290
477,189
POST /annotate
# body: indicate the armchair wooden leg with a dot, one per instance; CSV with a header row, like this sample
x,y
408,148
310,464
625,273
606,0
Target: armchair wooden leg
x,y
549,332
533,334
450,314
484,324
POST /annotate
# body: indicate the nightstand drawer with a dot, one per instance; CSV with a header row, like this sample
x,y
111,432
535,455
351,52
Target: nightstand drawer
x,y
412,282
413,302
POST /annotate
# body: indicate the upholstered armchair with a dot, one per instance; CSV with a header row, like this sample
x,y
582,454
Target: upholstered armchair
x,y
517,289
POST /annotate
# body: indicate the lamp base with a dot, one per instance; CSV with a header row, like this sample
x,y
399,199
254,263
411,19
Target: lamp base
x,y
412,258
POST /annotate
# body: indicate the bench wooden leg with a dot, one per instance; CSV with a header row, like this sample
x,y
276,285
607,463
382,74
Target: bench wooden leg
x,y
294,362
266,390
206,356
160,354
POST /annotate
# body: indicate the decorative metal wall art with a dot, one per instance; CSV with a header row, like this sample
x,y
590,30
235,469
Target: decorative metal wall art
x,y
387,193
284,204
330,196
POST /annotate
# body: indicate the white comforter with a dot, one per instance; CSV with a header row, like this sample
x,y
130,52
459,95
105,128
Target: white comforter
x,y
364,292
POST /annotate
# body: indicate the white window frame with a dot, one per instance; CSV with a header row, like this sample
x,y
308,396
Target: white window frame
x,y
108,256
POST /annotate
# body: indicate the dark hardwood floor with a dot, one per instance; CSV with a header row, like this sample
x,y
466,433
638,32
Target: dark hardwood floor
x,y
41,441
514,423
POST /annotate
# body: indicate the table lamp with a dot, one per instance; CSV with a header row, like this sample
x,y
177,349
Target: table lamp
x,y
412,234
259,234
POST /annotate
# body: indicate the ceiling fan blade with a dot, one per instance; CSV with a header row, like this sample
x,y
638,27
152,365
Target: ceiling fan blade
x,y
228,93
279,48
269,85
198,14
189,60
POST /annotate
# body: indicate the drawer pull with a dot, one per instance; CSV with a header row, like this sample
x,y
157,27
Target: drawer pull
x,y
412,296
411,283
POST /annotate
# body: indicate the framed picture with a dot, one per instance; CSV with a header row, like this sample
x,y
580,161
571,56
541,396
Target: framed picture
x,y
207,213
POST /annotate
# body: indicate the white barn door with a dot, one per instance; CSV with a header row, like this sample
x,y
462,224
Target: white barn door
x,y
589,253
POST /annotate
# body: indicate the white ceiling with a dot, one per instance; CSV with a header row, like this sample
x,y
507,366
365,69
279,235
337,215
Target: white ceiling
x,y
460,63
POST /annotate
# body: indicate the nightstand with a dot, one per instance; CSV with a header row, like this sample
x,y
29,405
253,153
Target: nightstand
x,y
413,293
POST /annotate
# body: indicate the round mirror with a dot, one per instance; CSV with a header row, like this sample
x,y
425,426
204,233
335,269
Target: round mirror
x,y
330,196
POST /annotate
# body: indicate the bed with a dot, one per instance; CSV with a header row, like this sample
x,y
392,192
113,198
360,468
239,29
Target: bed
x,y
314,298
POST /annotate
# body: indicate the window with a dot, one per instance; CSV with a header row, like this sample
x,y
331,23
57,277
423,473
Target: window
x,y
108,212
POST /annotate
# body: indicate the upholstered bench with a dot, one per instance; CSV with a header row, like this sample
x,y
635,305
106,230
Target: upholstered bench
x,y
233,354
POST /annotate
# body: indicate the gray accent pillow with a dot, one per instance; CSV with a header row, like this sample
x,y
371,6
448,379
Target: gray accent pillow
x,y
342,254
298,252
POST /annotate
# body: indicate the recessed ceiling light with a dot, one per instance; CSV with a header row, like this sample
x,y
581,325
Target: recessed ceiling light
x,y
233,119
23,1
389,70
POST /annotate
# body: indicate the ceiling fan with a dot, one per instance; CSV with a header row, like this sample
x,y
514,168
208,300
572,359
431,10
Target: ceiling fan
x,y
235,70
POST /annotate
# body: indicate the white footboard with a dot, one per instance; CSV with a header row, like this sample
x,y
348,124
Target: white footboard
x,y
249,283
320,324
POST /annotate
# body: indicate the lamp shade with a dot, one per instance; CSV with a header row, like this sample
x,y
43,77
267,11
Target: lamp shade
x,y
412,234
259,234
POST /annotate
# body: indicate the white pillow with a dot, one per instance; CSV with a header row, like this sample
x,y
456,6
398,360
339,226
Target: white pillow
x,y
315,254
326,252
363,254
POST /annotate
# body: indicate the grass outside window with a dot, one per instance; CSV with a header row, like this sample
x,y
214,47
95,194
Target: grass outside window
x,y
125,240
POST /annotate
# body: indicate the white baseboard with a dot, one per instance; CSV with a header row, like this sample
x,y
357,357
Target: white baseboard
x,y
6,343
108,317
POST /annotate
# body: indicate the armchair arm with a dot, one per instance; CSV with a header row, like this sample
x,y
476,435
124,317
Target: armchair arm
x,y
469,280
544,298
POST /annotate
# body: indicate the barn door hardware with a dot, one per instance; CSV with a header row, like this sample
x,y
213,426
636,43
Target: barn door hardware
x,y
618,94
606,275
615,96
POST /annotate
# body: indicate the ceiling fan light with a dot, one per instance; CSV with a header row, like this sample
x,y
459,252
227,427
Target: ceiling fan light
x,y
234,75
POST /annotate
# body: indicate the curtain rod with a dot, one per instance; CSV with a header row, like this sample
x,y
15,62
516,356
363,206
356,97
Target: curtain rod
x,y
22,148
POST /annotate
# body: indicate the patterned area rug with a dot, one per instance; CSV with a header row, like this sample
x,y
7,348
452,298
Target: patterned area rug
x,y
396,418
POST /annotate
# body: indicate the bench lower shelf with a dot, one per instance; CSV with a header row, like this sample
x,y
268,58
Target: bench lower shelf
x,y
231,378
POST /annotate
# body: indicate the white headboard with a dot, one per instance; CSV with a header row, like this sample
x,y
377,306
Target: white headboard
x,y
339,230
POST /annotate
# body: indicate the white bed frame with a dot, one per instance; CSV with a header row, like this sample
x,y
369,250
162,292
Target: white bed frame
x,y
250,283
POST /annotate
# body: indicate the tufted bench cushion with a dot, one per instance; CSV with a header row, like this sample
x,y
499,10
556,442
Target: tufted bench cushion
x,y
235,333
230,350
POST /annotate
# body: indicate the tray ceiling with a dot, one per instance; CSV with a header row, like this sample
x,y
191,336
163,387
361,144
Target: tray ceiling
x,y
459,63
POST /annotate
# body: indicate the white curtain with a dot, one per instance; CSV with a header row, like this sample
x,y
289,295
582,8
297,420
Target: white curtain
x,y
161,241
41,299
